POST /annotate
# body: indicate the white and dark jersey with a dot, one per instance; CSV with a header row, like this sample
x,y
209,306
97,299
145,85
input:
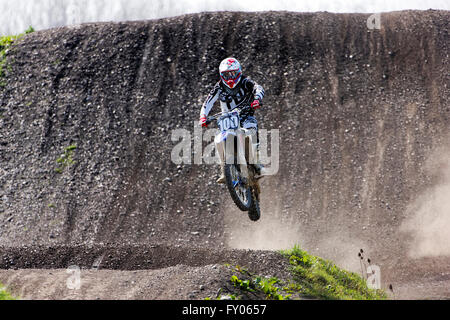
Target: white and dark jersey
x,y
242,95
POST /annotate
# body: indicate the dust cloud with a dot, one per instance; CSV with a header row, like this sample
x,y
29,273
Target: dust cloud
x,y
281,228
428,221
276,230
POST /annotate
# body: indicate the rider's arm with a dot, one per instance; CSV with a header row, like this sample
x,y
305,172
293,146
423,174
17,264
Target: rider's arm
x,y
258,90
208,104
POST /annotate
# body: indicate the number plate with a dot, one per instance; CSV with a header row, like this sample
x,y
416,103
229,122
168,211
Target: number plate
x,y
230,121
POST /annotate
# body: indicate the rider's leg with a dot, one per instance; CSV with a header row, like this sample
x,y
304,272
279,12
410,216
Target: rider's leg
x,y
221,159
221,149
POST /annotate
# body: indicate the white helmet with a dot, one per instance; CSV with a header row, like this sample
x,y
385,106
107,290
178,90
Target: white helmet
x,y
230,72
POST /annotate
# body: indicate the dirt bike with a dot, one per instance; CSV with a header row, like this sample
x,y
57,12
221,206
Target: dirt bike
x,y
237,150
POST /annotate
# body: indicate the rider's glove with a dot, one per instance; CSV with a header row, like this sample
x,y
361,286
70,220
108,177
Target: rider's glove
x,y
256,104
203,121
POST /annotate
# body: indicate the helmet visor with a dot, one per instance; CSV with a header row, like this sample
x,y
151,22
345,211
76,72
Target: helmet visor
x,y
230,75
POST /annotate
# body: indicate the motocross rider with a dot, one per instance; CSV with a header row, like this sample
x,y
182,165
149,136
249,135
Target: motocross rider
x,y
234,90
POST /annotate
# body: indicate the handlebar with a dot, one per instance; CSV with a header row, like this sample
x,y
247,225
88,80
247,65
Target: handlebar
x,y
216,116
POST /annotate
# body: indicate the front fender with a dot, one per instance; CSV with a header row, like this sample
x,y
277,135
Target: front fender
x,y
221,137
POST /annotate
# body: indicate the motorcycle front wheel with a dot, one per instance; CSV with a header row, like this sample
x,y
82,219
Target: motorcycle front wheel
x,y
240,191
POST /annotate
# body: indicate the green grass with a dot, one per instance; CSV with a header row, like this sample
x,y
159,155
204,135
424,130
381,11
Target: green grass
x,y
5,295
319,278
243,285
5,44
311,277
266,287
66,159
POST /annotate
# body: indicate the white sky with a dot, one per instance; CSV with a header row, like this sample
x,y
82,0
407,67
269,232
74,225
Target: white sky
x,y
17,15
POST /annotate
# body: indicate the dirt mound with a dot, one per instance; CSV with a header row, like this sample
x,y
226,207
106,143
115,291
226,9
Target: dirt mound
x,y
361,114
137,257
131,272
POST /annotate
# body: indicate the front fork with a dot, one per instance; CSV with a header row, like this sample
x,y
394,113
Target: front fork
x,y
226,149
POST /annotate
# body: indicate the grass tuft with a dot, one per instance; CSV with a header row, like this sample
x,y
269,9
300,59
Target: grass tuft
x,y
66,159
5,44
319,278
311,278
5,295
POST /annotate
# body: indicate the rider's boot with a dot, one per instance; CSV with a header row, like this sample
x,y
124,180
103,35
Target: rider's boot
x,y
221,179
259,168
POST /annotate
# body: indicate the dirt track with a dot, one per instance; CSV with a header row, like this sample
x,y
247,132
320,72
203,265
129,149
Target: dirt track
x,y
363,118
133,272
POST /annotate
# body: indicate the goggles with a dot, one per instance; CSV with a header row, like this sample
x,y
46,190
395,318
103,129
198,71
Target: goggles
x,y
230,75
